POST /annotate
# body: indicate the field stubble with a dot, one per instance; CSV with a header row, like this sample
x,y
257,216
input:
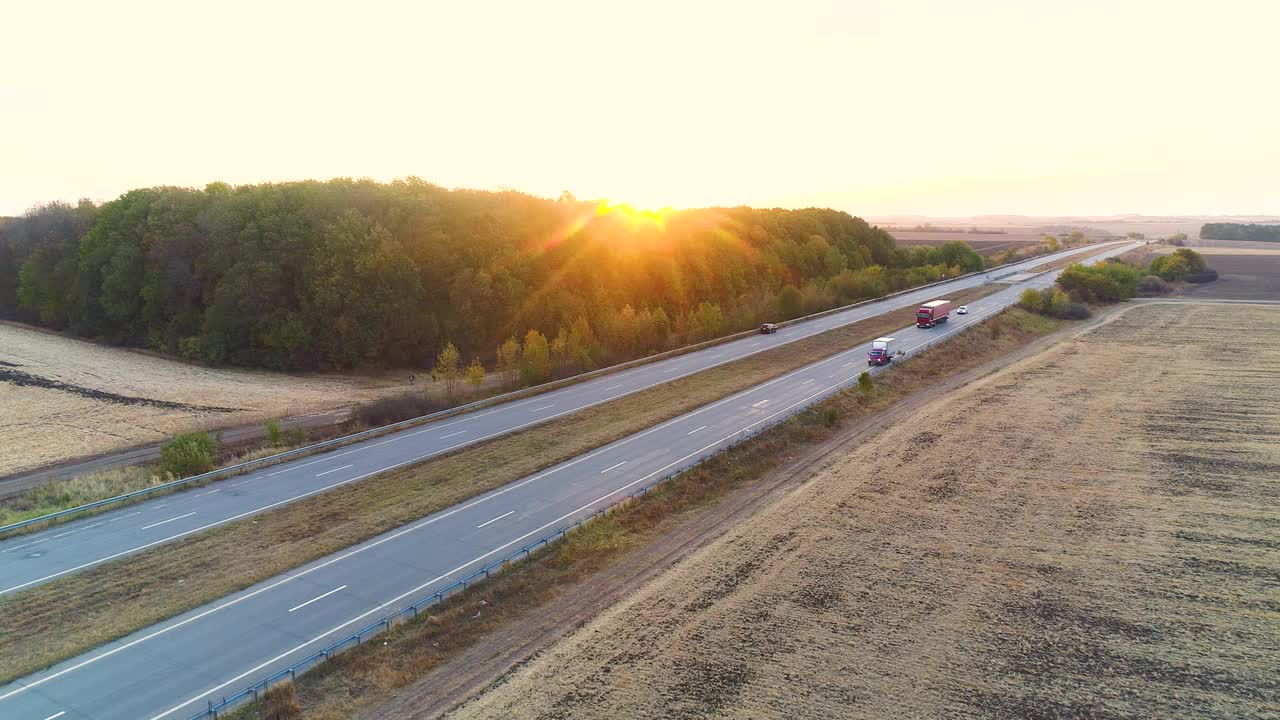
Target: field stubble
x,y
66,398
1088,534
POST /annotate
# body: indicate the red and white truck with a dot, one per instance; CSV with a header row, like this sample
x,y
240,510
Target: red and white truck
x,y
932,313
881,352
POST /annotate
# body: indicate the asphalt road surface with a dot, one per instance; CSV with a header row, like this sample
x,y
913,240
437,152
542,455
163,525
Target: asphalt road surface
x,y
31,559
173,669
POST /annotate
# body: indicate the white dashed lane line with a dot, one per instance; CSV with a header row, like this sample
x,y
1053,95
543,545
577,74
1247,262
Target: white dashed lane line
x,y
164,522
490,522
318,597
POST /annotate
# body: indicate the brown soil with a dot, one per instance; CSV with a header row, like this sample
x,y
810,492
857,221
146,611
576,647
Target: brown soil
x,y
1090,533
985,244
1242,274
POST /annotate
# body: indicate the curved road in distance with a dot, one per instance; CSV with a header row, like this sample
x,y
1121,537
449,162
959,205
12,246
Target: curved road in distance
x,y
173,669
35,558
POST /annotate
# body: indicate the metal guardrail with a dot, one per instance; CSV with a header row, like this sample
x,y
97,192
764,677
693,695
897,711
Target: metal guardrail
x,y
460,409
322,657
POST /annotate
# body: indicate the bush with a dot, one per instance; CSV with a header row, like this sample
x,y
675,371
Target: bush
x,y
1153,285
1106,282
1031,301
275,437
830,416
1208,275
1076,311
188,454
865,383
280,703
395,409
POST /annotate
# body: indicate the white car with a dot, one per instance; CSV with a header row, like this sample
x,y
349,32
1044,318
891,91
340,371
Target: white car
x,y
962,310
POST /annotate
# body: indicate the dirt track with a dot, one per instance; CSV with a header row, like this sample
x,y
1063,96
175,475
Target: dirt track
x,y
1088,534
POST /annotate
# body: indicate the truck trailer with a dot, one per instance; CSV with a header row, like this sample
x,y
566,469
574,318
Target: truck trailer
x,y
932,313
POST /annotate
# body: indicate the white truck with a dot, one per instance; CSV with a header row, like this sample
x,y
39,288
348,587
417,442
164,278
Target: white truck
x,y
881,352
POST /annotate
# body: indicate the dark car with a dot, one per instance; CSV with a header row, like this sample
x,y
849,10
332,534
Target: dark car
x,y
768,328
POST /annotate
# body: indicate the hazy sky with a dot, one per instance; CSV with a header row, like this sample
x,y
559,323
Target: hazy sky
x,y
931,107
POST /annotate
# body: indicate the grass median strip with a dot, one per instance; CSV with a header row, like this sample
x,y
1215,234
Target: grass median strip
x,y
101,604
358,683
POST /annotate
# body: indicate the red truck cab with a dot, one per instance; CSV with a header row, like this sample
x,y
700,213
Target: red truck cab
x,y
932,313
881,353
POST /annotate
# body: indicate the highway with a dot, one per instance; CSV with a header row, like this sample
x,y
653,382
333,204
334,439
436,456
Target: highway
x,y
173,669
28,560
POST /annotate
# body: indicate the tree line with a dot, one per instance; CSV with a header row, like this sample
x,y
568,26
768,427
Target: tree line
x,y
1240,231
354,273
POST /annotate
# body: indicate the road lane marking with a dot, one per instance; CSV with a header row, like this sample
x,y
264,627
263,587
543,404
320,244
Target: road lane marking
x,y
56,715
210,492
760,404
847,364
162,522
67,533
326,472
704,427
120,648
713,357
612,467
320,597
489,522
19,547
446,437
806,382
612,387
669,370
544,407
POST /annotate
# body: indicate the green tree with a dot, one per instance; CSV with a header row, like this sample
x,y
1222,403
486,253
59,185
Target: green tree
x,y
536,359
710,320
448,370
275,436
509,362
475,374
790,302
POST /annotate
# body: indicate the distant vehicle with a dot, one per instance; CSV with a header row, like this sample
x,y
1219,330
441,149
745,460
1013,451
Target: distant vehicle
x,y
768,328
962,310
932,313
881,351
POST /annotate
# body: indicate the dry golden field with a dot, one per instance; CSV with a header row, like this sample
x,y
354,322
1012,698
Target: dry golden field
x,y
64,398
1090,533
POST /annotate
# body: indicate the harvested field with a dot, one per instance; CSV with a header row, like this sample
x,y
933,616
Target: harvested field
x,y
985,244
66,398
1090,533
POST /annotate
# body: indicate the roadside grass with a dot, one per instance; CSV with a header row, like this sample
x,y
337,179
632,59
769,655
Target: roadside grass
x,y
100,604
1058,264
366,676
91,487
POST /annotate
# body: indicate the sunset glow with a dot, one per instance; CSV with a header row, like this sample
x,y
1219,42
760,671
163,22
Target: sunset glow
x,y
871,107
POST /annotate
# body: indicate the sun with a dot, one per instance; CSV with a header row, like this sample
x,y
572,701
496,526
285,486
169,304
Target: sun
x,y
633,215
